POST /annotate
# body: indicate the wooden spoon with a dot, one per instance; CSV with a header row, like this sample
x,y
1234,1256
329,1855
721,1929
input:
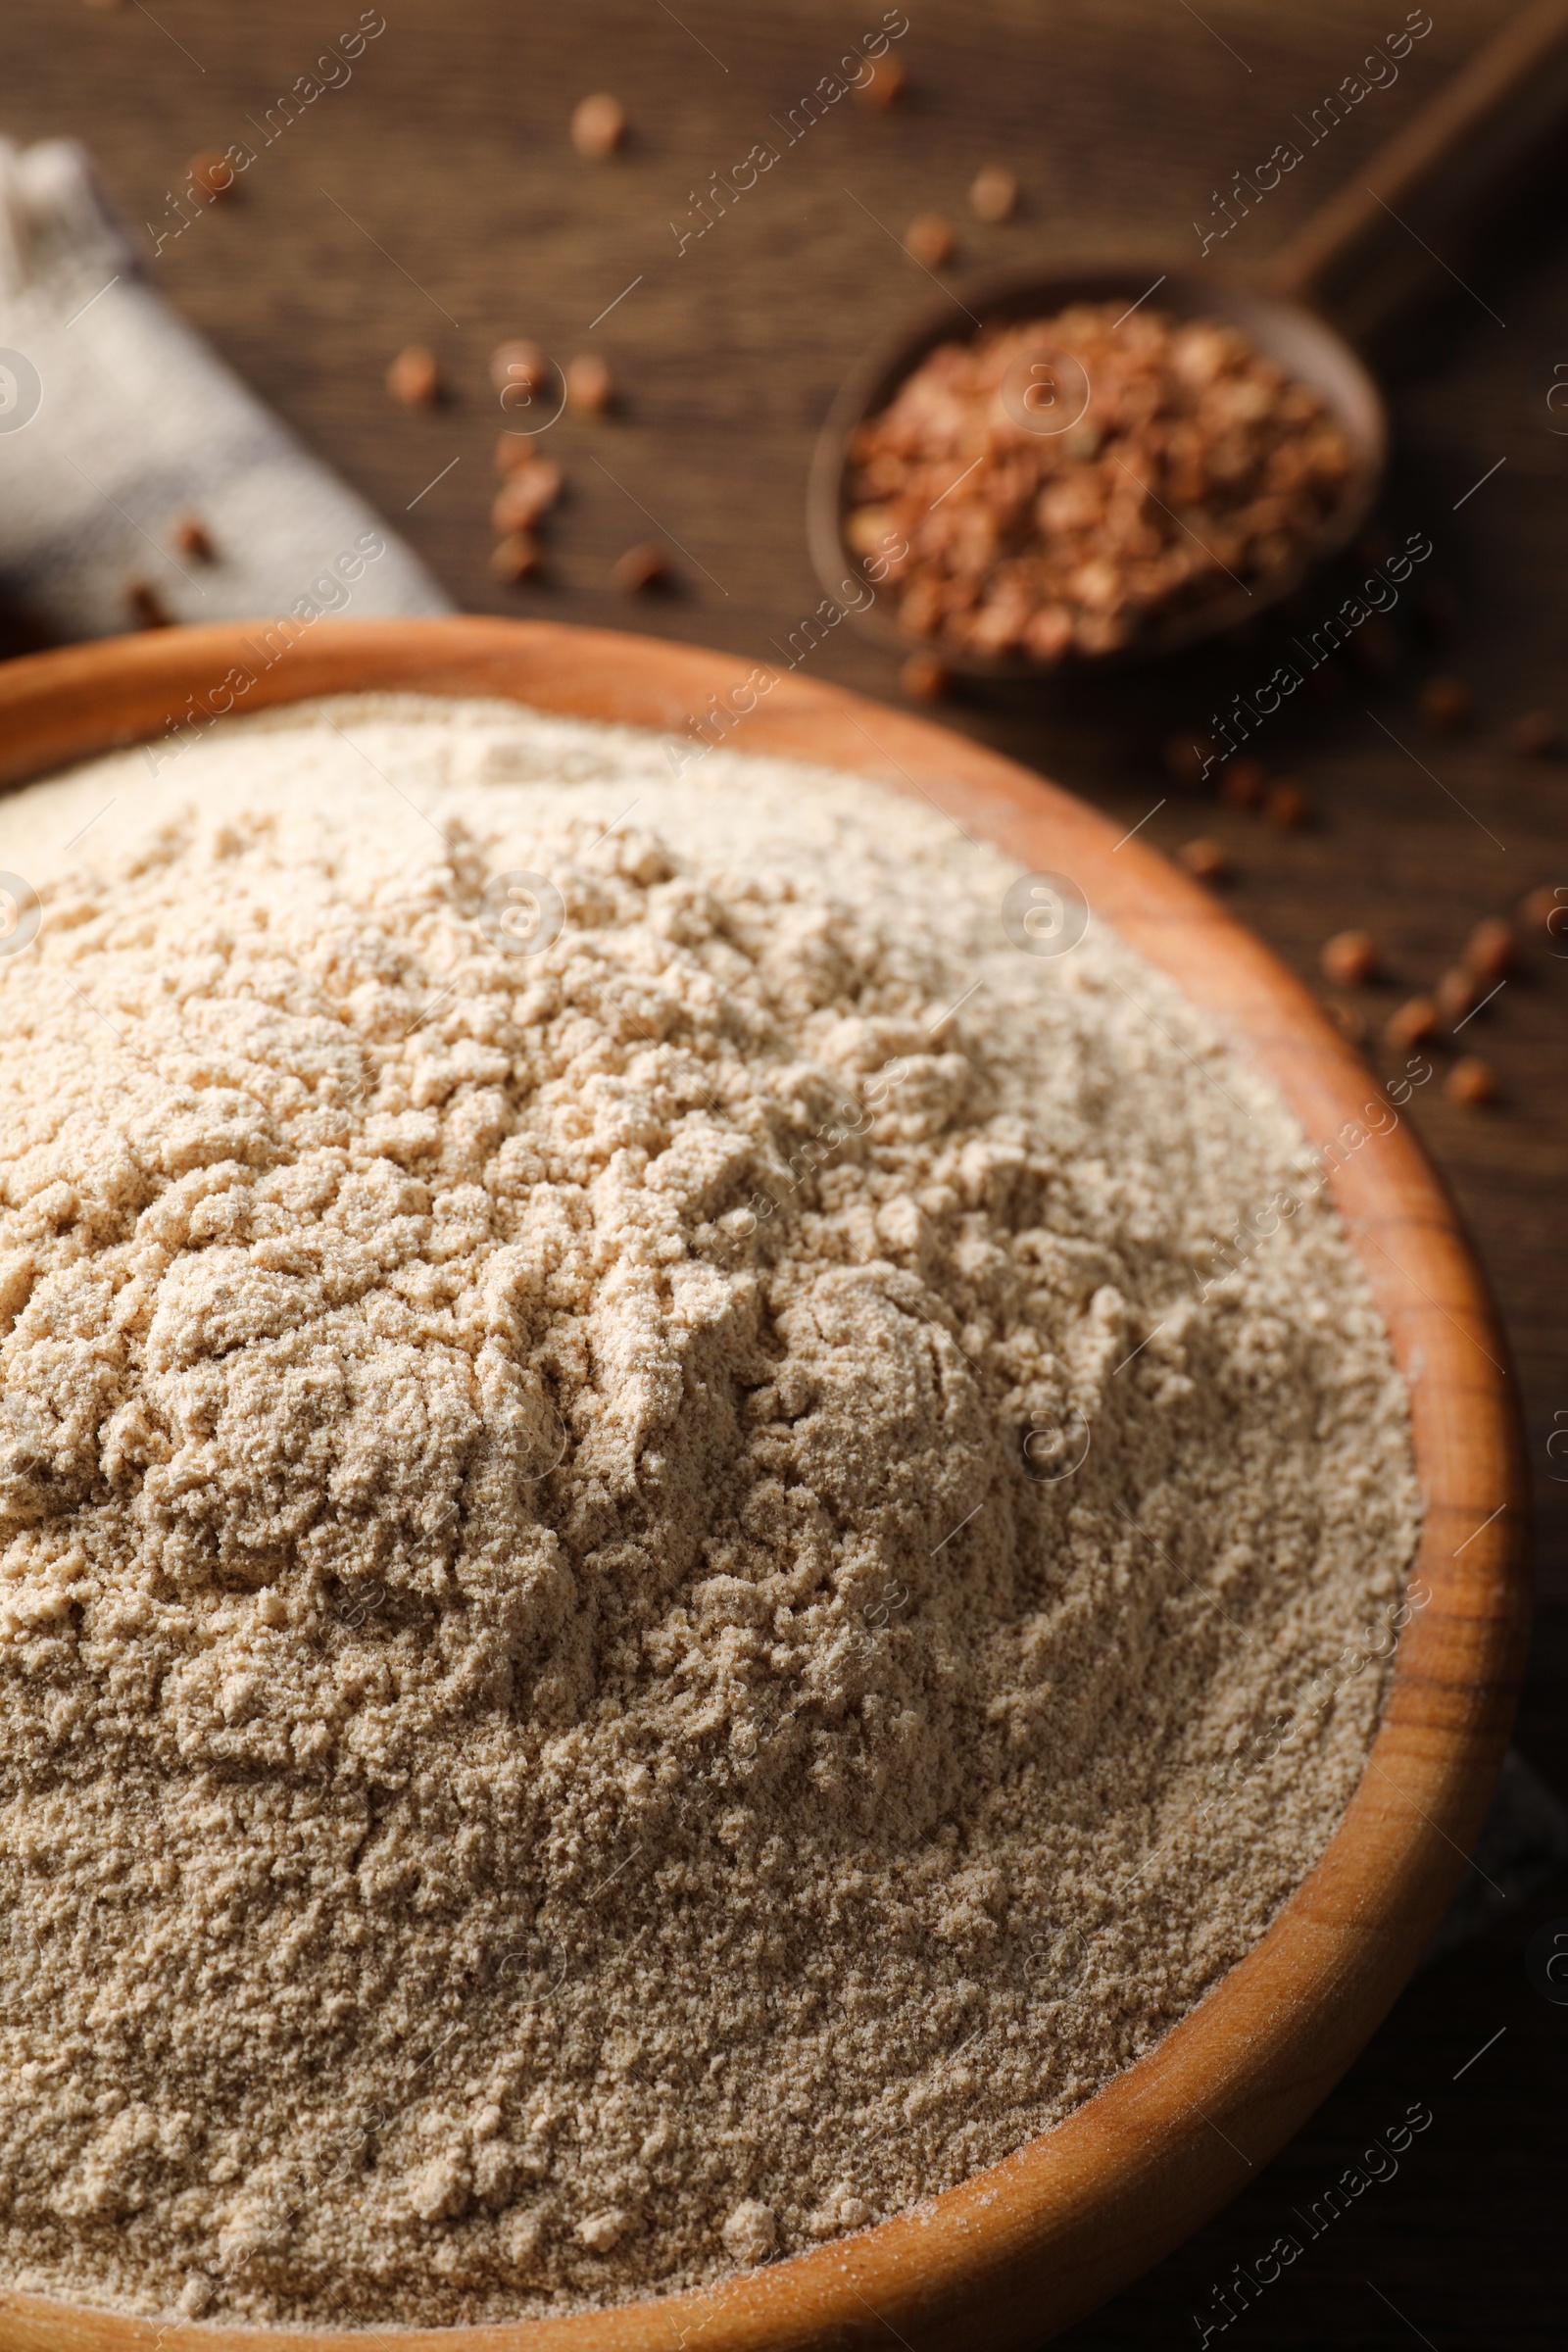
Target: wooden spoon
x,y
1350,270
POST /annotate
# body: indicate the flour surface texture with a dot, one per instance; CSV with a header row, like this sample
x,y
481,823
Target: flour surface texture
x,y
662,1582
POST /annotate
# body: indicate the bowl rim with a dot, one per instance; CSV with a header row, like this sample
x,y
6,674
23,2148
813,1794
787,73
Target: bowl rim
x,y
1028,2245
999,298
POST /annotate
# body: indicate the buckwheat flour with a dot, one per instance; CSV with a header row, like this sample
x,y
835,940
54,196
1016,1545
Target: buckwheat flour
x,y
652,1563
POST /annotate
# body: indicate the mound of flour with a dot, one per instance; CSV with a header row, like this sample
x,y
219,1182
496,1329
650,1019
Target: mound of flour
x,y
650,1566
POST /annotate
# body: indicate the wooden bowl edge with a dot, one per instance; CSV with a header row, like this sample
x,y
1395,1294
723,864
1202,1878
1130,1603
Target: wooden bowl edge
x,y
1040,2238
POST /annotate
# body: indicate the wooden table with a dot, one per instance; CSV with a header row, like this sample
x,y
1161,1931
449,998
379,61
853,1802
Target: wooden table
x,y
472,218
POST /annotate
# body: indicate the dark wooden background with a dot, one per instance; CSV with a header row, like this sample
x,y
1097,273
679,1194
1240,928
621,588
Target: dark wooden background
x,y
1120,117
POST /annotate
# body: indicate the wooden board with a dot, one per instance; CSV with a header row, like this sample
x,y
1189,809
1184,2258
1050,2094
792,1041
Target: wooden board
x,y
449,146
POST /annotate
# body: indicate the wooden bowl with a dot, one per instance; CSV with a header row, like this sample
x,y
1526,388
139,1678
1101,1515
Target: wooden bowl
x,y
1033,2242
1305,345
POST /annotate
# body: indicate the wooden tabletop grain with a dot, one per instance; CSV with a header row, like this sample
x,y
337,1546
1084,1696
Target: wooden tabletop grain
x,y
436,197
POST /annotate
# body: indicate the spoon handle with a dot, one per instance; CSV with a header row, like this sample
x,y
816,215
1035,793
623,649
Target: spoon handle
x,y
1370,249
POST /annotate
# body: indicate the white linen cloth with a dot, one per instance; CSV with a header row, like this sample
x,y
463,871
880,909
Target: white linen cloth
x,y
117,420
